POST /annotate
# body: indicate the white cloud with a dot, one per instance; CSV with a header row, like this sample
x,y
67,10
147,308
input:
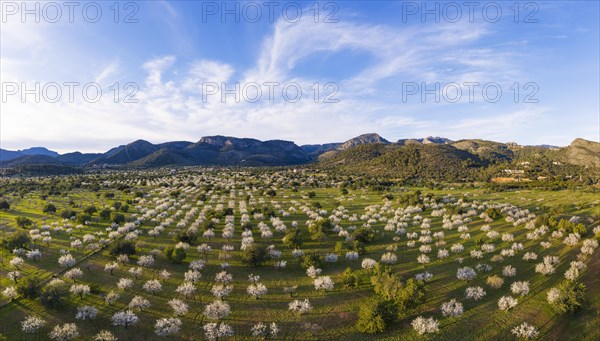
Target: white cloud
x,y
171,107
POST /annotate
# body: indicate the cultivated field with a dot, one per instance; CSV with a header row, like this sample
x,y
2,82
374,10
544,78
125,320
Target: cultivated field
x,y
200,234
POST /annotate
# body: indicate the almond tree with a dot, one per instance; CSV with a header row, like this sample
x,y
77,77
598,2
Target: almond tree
x,y
86,312
10,293
217,310
104,335
256,290
300,307
65,332
111,267
452,308
186,289
507,302
32,324
525,331
179,307
167,326
66,261
73,273
323,283
215,331
152,286
139,302
425,325
125,283
263,330
124,318
474,293
80,289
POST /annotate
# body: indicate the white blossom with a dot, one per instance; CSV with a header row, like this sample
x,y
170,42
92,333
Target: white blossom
x,y
146,261
80,289
452,308
323,283
425,325
474,293
66,261
300,307
264,330
111,297
368,263
223,277
10,293
124,318
507,302
313,272
167,326
152,286
214,331
525,331
509,271
192,276
389,258
86,312
466,273
32,324
73,273
139,302
67,331
105,335
125,283
520,288
553,295
256,290
217,310
186,289
179,307
110,267
221,290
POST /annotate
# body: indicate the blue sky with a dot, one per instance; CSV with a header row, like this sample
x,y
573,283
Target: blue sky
x,y
377,58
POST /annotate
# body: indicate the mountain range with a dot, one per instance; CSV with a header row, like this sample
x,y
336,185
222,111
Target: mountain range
x,y
366,148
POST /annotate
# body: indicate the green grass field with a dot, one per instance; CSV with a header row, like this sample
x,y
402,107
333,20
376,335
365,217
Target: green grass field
x,y
334,312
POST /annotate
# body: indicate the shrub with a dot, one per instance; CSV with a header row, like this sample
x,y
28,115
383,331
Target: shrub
x,y
349,278
116,217
493,213
68,213
292,239
363,235
309,260
82,217
318,228
49,208
390,286
187,236
123,248
90,210
23,222
175,255
4,205
105,214
375,316
255,255
53,295
29,287
571,296
16,240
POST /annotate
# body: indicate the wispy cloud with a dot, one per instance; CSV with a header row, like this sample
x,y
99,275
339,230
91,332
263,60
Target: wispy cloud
x,y
171,105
